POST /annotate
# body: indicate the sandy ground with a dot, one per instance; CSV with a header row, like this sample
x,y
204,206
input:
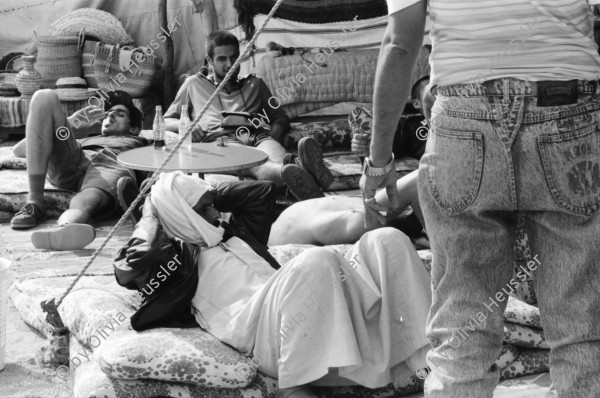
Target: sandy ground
x,y
23,377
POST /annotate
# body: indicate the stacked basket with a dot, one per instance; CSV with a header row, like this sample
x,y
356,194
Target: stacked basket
x,y
58,56
105,46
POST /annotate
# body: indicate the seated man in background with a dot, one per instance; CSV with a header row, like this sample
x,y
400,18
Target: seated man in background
x,y
87,166
320,319
264,127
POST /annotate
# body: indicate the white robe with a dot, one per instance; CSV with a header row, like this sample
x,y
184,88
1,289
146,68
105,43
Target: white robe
x,y
321,314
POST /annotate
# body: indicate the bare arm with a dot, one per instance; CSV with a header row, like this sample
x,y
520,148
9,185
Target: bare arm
x,y
399,52
172,124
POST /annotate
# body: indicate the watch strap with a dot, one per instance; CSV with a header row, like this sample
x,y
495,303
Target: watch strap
x,y
371,171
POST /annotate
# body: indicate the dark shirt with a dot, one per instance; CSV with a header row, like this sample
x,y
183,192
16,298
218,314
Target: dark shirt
x,y
252,204
117,144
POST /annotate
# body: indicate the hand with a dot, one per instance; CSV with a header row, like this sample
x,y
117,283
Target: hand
x,y
368,186
197,133
87,117
360,143
137,248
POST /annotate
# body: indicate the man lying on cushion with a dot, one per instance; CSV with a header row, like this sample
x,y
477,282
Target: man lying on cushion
x,y
321,319
340,219
87,166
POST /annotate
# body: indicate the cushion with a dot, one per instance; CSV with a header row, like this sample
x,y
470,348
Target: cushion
x,y
519,312
330,134
523,336
10,161
14,188
90,381
527,362
508,354
94,313
178,355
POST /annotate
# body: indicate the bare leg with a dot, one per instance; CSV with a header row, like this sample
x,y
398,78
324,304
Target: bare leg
x,y
45,116
84,204
271,170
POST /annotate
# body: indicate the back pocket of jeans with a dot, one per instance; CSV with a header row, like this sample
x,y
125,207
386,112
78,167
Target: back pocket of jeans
x,y
571,164
455,164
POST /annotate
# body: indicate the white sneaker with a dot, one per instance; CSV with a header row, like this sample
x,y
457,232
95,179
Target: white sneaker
x,y
68,237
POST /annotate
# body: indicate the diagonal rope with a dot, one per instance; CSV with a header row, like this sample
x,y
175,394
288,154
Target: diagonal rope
x,y
156,174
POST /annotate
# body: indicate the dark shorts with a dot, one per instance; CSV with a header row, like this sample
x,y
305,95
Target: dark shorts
x,y
72,168
243,137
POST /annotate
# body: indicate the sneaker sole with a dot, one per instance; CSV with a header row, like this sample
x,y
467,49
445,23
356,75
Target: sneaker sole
x,y
311,159
300,183
69,237
21,225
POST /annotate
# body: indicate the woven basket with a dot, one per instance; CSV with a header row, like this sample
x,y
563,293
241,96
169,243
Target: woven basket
x,y
110,75
58,57
99,24
87,63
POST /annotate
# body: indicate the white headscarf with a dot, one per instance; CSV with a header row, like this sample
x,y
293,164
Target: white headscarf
x,y
173,196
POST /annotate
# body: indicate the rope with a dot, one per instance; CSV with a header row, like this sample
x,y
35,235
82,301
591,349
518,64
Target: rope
x,y
154,177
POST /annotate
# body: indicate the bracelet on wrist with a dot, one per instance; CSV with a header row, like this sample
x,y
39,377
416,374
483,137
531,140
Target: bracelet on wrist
x,y
371,171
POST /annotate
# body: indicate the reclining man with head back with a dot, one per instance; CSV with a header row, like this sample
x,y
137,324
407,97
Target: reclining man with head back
x,y
264,127
88,166
320,319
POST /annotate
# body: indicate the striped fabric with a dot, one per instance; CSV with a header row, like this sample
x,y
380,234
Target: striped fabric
x,y
478,40
13,111
360,34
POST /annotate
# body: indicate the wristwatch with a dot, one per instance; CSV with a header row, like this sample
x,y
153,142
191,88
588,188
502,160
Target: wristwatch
x,y
371,171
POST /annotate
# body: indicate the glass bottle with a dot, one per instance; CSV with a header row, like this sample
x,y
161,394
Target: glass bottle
x,y
158,128
184,124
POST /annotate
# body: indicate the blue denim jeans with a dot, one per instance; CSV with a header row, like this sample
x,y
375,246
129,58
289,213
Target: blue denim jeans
x,y
493,152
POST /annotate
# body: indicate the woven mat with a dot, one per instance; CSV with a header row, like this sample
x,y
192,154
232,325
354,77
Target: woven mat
x,y
29,262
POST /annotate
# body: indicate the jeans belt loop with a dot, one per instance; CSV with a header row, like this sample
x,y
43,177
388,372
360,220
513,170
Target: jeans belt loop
x,y
506,90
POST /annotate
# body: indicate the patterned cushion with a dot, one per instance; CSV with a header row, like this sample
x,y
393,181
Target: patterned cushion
x,y
519,312
331,134
360,120
14,188
90,381
177,355
10,161
508,354
528,362
92,315
523,336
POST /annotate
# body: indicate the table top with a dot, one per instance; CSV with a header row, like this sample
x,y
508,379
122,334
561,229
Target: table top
x,y
200,158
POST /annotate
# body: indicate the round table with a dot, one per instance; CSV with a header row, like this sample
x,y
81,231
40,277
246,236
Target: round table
x,y
200,158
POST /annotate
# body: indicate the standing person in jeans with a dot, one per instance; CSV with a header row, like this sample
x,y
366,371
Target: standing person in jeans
x,y
514,129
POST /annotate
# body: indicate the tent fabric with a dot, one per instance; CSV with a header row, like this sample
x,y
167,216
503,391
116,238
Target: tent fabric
x,y
309,11
359,34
